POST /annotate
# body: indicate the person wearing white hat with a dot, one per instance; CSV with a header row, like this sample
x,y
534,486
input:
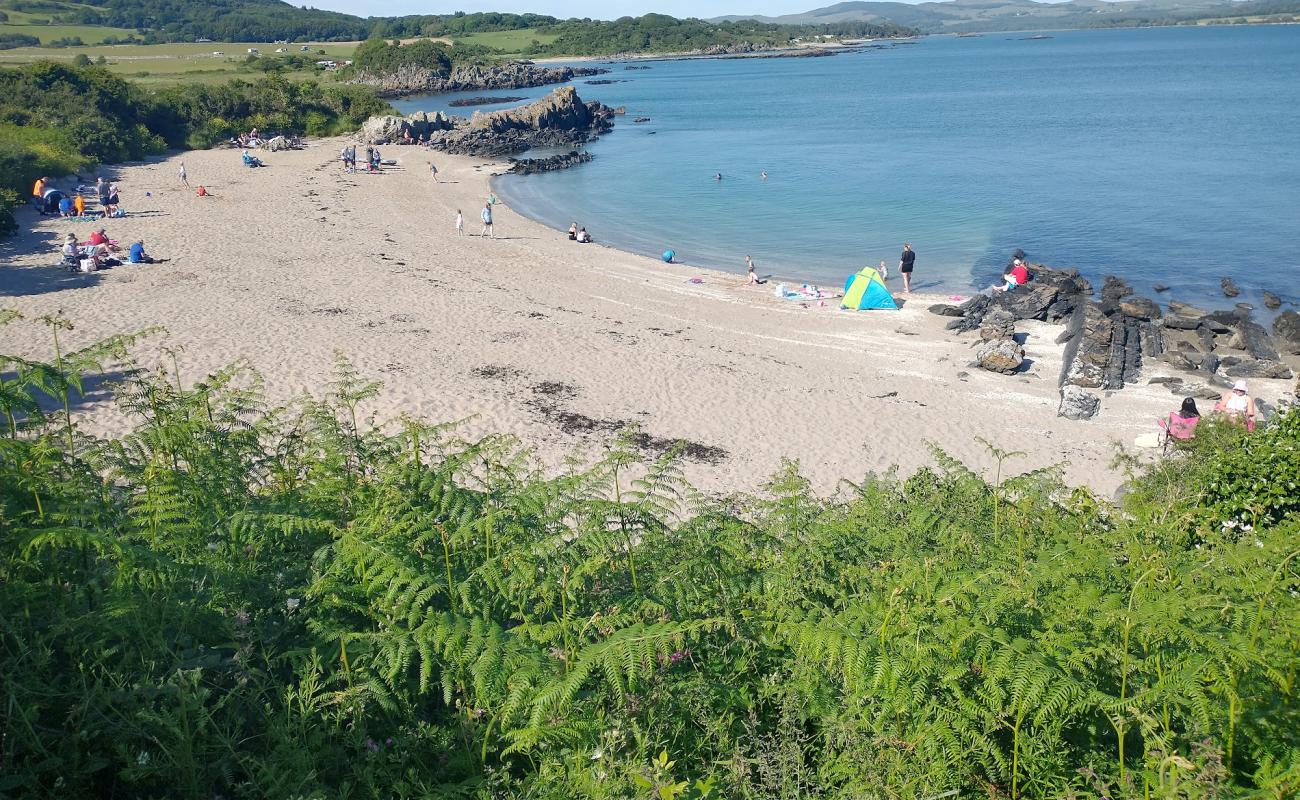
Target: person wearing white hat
x,y
1238,404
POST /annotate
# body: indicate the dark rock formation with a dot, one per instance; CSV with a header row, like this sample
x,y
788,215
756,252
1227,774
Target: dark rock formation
x,y
998,324
1229,287
1077,404
1254,368
413,79
1287,329
641,119
483,101
602,82
1271,301
388,129
561,119
530,166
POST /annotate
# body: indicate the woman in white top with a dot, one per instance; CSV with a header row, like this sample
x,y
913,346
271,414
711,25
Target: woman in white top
x,y
1239,404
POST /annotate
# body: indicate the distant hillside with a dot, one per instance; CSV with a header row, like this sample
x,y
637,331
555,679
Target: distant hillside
x,y
1007,15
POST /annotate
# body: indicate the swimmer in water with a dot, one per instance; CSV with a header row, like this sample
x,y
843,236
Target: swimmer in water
x,y
717,176
763,175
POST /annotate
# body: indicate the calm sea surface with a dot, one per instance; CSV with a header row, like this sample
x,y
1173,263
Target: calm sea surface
x,y
1167,155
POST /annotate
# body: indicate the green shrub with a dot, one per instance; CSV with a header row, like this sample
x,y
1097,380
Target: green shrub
x,y
229,601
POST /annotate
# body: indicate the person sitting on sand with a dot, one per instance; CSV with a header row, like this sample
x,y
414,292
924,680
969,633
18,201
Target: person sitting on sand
x,y
137,254
251,161
573,231
406,138
1009,281
583,237
751,275
1238,405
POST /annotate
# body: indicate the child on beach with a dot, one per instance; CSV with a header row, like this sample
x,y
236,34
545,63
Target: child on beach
x,y
433,170
79,205
753,276
460,223
185,179
884,271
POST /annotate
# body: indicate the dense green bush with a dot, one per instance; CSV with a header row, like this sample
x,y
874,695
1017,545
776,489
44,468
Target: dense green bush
x,y
57,119
236,602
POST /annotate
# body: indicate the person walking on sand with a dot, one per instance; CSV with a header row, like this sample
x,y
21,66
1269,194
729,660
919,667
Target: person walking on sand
x,y
460,223
185,179
905,264
433,170
487,222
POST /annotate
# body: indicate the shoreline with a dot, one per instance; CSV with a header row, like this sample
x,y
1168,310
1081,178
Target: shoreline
x,y
534,336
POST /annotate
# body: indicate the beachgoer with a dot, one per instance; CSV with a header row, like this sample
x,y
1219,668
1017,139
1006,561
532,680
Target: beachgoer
x,y
38,192
492,199
1021,272
79,205
905,264
185,179
883,270
113,201
486,216
573,231
101,193
137,254
99,237
65,207
433,170
583,237
370,158
717,176
1180,424
763,175
751,275
460,223
1009,281
1238,404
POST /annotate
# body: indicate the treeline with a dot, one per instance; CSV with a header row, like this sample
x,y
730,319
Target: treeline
x,y
57,119
230,601
222,20
661,33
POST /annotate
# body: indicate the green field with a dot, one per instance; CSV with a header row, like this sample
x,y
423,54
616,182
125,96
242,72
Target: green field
x,y
510,42
91,34
176,63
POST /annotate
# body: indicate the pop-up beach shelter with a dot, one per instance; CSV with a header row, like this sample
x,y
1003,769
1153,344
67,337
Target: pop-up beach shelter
x,y
867,290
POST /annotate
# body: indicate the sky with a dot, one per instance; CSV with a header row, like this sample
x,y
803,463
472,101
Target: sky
x,y
597,9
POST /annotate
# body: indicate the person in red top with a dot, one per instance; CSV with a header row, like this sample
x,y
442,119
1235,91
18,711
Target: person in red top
x,y
99,237
1020,271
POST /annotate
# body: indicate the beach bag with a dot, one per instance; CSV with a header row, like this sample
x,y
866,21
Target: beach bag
x,y
87,265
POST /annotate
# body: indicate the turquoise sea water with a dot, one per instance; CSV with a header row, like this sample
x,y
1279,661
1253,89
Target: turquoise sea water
x,y
1165,155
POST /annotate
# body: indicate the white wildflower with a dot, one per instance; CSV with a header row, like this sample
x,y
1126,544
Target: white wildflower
x,y
1259,544
597,755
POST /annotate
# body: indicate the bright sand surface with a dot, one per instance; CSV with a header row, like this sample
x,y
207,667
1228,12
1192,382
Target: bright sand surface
x,y
533,335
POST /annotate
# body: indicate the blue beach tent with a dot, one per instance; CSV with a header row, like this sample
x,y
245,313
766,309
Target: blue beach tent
x,y
867,290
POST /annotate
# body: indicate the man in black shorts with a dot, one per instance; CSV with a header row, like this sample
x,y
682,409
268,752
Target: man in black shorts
x,y
905,263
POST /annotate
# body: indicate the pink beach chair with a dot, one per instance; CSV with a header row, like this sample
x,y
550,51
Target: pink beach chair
x,y
1177,427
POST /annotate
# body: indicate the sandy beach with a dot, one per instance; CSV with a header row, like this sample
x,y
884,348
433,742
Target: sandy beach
x,y
533,335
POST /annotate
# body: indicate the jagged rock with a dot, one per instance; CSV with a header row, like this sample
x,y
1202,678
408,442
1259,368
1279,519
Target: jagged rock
x,y
1179,360
1002,355
382,130
277,143
1168,381
1160,287
1255,368
1221,321
1229,287
1140,308
1186,309
1206,336
561,119
1114,289
1182,323
1287,329
1251,337
1029,302
1078,404
1210,363
1244,310
1088,353
1271,301
1188,347
531,166
997,324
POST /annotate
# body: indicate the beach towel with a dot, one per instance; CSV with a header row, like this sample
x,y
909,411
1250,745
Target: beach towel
x,y
1148,440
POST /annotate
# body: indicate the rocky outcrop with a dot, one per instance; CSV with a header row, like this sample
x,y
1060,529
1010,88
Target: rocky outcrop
x,y
530,166
561,119
413,79
389,129
465,102
1287,329
1229,287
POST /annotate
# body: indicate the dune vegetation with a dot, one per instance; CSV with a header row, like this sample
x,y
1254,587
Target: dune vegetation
x,y
233,600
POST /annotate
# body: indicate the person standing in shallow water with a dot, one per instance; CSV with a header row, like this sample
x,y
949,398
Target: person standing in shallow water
x,y
905,263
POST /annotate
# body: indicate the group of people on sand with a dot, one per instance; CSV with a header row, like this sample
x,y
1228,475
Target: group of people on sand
x,y
374,159
906,263
100,252
579,235
51,200
1236,404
